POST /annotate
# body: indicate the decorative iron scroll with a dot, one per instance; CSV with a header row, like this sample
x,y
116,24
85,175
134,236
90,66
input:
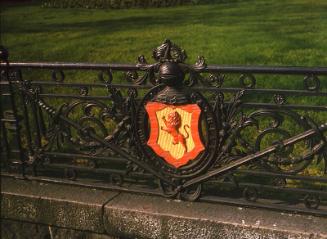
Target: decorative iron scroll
x,y
164,126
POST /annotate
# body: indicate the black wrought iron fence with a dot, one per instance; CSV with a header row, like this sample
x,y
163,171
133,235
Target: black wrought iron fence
x,y
233,134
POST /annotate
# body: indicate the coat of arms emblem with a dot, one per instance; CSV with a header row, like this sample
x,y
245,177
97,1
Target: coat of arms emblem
x,y
173,120
174,133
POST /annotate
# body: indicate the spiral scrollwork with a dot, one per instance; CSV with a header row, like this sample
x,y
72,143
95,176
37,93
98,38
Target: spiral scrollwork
x,y
116,126
58,76
311,83
247,81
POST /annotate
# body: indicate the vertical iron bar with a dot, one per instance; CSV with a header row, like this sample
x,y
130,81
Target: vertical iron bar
x,y
41,118
4,141
26,117
15,113
37,125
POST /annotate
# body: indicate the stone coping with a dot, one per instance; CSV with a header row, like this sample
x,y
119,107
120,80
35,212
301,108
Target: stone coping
x,y
140,216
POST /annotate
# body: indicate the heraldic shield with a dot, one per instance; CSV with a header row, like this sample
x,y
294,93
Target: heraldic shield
x,y
174,132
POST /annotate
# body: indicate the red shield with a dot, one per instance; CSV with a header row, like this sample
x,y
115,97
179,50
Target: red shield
x,y
174,133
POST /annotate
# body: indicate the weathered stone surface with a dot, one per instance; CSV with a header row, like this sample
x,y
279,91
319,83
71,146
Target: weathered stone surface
x,y
139,216
53,204
24,230
152,217
19,230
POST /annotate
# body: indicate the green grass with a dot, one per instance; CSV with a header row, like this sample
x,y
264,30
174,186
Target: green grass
x,y
270,32
249,32
267,32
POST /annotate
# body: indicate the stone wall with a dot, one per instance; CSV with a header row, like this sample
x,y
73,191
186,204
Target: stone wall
x,y
23,230
62,211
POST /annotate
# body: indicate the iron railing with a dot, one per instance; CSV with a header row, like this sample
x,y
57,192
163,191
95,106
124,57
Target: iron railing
x,y
256,135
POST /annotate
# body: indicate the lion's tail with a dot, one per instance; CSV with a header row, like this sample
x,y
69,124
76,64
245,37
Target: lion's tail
x,y
187,133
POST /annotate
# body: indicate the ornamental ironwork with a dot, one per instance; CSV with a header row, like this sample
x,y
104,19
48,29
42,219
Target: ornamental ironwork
x,y
168,128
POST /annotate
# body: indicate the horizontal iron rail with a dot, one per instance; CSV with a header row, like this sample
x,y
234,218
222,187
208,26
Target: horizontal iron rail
x,y
84,168
210,68
296,70
265,205
244,105
84,156
242,171
70,66
275,188
283,175
214,89
284,106
135,189
104,171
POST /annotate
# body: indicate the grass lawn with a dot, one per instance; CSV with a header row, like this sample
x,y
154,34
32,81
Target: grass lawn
x,y
270,32
249,32
261,32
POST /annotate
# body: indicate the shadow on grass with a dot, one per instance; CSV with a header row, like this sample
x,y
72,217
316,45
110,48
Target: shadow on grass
x,y
249,14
